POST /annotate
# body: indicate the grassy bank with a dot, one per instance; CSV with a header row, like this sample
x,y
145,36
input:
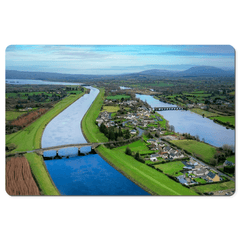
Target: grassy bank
x,y
41,175
30,137
89,127
225,119
146,177
198,149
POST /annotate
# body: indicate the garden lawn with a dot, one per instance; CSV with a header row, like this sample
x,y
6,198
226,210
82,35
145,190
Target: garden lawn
x,y
231,159
89,127
171,168
198,149
110,108
29,138
214,187
138,146
12,115
146,177
41,175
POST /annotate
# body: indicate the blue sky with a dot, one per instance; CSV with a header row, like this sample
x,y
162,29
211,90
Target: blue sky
x,y
116,59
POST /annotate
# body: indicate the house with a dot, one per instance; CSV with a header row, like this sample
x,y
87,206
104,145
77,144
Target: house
x,y
151,140
201,172
133,131
153,157
164,155
182,180
228,163
213,177
167,149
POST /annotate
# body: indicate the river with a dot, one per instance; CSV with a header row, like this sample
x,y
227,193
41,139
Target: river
x,y
82,175
189,122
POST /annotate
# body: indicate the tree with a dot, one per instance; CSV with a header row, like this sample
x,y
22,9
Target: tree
x,y
127,134
137,156
128,151
172,128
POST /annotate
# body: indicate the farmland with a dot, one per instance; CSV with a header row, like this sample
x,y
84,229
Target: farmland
x,y
41,175
19,179
225,119
29,138
12,115
198,149
117,97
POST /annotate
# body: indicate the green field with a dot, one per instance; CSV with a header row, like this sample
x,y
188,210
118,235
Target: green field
x,y
136,146
198,149
171,168
214,187
201,112
110,108
41,175
231,159
144,176
117,97
89,127
22,95
12,115
30,137
230,119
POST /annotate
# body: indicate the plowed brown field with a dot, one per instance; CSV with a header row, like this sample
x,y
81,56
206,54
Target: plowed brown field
x,y
25,120
19,179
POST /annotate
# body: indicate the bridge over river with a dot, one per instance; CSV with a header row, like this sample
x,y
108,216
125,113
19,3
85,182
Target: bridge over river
x,y
169,108
41,151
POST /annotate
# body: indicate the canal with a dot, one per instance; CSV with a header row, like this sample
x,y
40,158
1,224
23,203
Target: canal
x,y
82,175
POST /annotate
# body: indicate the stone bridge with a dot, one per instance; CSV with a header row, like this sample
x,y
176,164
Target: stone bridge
x,y
168,108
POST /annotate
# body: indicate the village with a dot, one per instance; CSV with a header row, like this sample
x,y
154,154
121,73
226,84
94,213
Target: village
x,y
139,119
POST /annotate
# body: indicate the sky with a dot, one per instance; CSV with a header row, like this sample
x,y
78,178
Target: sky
x,y
116,59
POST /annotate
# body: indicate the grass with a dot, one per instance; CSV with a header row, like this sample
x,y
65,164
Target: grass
x,y
117,97
135,147
171,168
225,119
214,187
29,138
231,159
201,112
110,108
200,180
149,178
89,127
41,175
12,115
198,149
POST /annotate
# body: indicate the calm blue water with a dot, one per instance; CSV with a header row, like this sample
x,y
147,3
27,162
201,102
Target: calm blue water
x,y
90,175
189,122
39,82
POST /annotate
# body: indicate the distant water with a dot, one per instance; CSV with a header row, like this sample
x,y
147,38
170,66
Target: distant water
x,y
124,88
39,82
189,122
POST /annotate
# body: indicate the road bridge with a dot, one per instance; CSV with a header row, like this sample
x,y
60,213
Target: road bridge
x,y
168,108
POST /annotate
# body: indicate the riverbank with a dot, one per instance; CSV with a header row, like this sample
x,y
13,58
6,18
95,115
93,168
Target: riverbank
x,y
30,138
144,176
